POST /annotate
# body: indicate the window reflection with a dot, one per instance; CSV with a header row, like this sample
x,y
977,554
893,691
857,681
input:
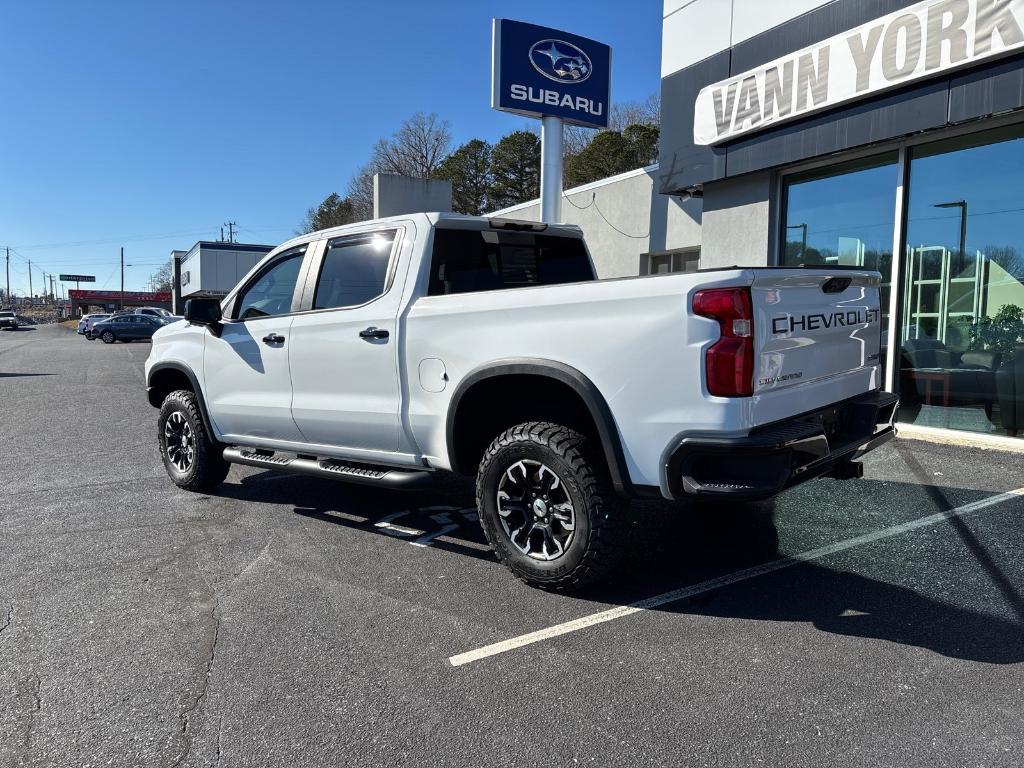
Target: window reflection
x,y
844,216
962,357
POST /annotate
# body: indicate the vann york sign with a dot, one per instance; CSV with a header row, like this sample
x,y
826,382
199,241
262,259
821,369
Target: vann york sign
x,y
917,42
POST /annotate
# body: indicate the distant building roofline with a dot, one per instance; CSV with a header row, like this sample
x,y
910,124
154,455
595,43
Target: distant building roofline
x,y
219,245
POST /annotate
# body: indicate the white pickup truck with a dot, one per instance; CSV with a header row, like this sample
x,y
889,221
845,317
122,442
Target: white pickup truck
x,y
385,351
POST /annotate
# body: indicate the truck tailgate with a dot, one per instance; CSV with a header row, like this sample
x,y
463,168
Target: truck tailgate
x,y
813,324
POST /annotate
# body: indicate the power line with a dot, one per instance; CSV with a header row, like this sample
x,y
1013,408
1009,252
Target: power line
x,y
593,203
129,239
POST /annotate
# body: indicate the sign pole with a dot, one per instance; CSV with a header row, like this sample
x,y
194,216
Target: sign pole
x,y
550,169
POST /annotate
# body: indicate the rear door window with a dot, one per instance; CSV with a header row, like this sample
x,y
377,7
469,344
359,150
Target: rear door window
x,y
468,260
354,270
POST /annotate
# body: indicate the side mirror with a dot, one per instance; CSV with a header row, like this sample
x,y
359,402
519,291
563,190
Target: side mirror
x,y
203,312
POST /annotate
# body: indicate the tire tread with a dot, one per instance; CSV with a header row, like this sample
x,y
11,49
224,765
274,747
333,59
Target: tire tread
x,y
210,467
606,511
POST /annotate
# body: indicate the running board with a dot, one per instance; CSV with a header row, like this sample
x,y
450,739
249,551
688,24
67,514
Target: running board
x,y
336,469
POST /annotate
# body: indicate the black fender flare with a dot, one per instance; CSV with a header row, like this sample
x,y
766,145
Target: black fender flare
x,y
190,374
607,432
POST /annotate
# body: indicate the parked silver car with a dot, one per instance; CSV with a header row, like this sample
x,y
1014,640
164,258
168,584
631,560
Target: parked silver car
x,y
87,322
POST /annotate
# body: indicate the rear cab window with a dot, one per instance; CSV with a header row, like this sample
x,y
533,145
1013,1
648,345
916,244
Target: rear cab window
x,y
472,260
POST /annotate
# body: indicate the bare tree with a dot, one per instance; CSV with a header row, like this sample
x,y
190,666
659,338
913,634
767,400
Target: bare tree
x,y
1007,257
646,112
360,192
162,277
416,149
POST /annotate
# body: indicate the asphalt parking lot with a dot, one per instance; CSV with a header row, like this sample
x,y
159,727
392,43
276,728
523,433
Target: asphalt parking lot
x,y
289,621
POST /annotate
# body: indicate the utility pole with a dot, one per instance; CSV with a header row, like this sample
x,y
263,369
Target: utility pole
x,y
9,276
30,281
121,302
231,230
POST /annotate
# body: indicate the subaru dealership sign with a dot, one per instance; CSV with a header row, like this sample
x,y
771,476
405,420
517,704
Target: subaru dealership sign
x,y
542,72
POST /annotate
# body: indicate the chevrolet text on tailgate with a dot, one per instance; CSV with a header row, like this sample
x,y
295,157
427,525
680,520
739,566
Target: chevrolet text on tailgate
x,y
384,352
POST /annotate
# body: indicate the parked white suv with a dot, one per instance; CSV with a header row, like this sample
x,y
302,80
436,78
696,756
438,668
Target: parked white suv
x,y
8,320
385,351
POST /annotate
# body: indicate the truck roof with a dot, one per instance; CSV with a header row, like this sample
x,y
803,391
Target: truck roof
x,y
429,219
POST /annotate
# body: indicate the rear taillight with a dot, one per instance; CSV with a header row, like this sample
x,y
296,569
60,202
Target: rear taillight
x,y
729,362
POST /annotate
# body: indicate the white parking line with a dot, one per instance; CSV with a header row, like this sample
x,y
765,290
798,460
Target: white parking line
x,y
390,528
424,541
721,581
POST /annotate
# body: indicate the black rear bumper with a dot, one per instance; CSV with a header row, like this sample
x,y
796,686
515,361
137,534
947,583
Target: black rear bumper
x,y
778,456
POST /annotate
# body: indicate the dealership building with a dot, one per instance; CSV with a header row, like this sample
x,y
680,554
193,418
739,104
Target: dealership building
x,y
872,133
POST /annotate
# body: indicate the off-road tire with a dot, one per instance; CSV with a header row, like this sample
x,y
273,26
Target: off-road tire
x,y
108,337
208,467
599,537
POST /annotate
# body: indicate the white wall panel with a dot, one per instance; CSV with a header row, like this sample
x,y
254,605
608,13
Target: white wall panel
x,y
693,33
671,6
752,17
692,30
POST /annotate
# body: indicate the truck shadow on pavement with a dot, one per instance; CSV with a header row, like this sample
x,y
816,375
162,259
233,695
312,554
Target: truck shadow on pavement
x,y
669,547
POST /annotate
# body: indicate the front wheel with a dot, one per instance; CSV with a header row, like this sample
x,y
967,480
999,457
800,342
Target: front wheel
x,y
547,506
193,461
108,337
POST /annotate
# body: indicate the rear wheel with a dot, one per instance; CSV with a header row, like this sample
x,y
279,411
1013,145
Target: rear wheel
x,y
547,506
192,460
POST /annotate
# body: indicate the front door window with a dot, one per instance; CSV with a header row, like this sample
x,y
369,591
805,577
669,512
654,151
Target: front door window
x,y
271,293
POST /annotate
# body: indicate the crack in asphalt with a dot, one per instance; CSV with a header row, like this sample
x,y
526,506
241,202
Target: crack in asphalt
x,y
220,735
36,685
14,347
76,487
185,714
10,618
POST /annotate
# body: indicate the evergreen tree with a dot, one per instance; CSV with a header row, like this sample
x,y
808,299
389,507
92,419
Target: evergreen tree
x,y
608,154
515,164
468,168
332,212
612,152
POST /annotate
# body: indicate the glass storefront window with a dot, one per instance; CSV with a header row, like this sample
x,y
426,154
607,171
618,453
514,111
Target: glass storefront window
x,y
962,329
844,215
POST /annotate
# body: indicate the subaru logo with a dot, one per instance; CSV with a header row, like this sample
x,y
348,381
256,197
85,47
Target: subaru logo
x,y
560,61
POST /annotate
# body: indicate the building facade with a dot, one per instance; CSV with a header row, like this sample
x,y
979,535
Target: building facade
x,y
630,229
878,133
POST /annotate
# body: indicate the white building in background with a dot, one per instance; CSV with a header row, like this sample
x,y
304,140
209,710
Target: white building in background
x,y
629,228
211,269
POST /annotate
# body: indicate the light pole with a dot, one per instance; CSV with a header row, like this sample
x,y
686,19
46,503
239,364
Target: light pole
x,y
962,205
803,236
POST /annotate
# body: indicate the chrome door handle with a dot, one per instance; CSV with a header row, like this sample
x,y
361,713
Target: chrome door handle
x,y
273,338
373,333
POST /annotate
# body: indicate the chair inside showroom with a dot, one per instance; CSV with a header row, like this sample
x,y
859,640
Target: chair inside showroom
x,y
1010,391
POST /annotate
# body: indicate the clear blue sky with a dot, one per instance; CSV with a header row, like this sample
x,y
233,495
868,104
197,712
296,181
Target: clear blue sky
x,y
149,124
